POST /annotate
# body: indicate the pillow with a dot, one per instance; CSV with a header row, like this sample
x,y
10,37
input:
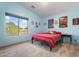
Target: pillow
x,y
50,32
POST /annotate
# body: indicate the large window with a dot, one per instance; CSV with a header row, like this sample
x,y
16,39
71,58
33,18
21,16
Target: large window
x,y
16,25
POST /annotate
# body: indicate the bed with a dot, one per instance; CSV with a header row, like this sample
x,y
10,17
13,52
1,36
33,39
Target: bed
x,y
48,38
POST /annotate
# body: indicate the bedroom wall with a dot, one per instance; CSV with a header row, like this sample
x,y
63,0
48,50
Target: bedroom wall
x,y
71,29
17,9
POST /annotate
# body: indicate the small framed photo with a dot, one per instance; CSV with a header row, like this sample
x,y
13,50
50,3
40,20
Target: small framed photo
x,y
76,21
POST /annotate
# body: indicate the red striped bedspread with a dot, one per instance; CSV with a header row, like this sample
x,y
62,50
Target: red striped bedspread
x,y
51,39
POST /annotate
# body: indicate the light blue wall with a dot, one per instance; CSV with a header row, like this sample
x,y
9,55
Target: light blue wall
x,y
73,30
17,9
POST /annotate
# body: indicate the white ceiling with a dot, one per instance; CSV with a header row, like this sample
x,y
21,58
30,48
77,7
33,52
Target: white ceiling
x,y
45,9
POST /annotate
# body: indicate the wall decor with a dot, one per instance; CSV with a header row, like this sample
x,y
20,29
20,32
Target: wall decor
x,y
76,21
50,23
36,24
63,22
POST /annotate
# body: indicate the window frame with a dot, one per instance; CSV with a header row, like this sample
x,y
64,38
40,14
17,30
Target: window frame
x,y
18,17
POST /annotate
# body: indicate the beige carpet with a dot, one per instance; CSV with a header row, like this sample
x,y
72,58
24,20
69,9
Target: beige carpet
x,y
37,50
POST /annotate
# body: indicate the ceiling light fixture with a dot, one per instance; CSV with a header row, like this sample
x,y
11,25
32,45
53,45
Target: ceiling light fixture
x,y
44,3
33,6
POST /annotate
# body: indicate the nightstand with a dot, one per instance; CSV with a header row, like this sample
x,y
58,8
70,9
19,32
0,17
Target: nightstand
x,y
66,35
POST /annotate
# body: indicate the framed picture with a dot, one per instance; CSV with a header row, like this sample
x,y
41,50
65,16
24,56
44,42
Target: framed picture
x,y
51,23
76,21
63,22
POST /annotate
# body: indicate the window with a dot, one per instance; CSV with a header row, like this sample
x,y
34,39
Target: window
x,y
16,25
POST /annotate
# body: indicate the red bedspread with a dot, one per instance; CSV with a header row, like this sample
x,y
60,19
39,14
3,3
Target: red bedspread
x,y
51,39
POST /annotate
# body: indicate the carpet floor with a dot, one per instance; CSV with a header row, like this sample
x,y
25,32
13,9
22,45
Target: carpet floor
x,y
37,49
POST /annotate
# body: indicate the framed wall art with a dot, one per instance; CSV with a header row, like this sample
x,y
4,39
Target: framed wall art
x,y
63,22
50,23
75,21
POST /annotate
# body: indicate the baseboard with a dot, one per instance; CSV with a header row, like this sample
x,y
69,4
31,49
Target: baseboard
x,y
13,44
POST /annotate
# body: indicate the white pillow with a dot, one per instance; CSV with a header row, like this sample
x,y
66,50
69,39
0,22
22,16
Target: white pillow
x,y
51,32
